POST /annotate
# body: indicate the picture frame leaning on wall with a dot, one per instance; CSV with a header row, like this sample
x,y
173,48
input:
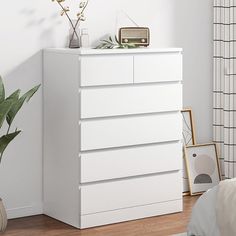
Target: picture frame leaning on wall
x,y
189,138
203,168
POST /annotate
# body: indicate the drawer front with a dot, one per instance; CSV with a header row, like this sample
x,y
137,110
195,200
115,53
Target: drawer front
x,y
103,165
130,193
158,68
102,102
106,70
107,133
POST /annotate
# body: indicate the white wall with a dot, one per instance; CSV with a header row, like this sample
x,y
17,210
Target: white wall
x,y
27,26
194,32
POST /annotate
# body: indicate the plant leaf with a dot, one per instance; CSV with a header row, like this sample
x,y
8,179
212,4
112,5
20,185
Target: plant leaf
x,y
19,103
5,140
2,90
117,39
15,95
28,95
106,41
5,107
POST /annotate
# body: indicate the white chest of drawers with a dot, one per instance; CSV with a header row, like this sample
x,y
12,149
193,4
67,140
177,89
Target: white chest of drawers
x,y
112,131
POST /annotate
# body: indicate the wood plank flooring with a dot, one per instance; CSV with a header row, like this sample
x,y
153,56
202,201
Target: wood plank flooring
x,y
155,226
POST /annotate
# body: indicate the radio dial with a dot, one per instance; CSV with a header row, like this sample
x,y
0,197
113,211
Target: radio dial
x,y
126,40
143,40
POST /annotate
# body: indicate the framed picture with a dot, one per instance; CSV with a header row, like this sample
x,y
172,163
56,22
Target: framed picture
x,y
188,139
203,168
188,127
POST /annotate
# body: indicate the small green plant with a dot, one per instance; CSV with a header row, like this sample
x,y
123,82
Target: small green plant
x,y
112,44
9,107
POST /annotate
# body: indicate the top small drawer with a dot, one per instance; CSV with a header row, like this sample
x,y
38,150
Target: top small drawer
x,y
106,70
158,67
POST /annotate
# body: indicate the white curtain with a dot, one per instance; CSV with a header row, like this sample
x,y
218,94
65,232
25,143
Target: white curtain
x,y
224,84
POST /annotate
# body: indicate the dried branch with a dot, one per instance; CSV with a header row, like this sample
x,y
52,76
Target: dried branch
x,y
80,15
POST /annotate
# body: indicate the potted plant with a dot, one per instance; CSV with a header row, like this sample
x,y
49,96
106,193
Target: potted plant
x,y
9,107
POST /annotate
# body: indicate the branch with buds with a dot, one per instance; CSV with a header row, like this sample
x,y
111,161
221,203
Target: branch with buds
x,y
80,15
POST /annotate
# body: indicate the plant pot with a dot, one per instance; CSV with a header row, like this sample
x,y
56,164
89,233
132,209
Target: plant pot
x,y
3,217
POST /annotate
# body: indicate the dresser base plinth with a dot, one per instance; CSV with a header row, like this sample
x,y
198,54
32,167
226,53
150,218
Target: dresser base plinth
x,y
133,213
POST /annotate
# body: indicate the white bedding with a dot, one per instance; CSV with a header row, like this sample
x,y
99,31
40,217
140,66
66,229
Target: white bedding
x,y
226,207
203,218
214,214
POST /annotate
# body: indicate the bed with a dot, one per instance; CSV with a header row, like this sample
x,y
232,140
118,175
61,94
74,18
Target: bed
x,y
214,214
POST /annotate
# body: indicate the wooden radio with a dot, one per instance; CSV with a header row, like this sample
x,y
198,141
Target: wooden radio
x,y
139,36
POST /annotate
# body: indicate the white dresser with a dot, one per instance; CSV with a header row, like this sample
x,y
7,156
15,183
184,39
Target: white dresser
x,y
112,131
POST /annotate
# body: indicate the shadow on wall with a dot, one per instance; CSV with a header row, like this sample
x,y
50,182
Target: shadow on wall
x,y
43,25
26,74
21,168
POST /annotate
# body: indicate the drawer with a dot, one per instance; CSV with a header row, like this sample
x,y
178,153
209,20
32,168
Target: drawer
x,y
103,165
102,102
118,132
106,70
158,68
130,193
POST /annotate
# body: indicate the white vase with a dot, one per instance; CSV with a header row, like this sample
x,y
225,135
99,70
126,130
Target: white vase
x,y
3,217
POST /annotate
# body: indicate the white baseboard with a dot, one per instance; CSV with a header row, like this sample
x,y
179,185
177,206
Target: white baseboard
x,y
24,211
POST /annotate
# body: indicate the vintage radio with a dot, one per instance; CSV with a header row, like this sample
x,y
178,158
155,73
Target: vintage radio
x,y
139,36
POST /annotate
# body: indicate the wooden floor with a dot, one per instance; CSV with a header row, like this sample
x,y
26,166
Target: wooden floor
x,y
154,226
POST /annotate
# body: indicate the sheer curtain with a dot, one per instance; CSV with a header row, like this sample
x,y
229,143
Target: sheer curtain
x,y
224,84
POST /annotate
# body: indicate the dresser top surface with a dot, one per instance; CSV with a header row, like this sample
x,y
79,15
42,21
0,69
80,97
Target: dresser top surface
x,y
90,51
